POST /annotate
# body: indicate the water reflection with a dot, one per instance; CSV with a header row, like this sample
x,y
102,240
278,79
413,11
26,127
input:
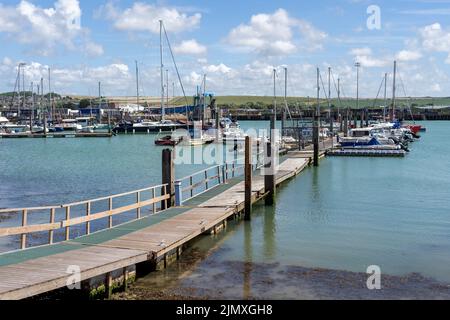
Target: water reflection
x,y
248,254
269,231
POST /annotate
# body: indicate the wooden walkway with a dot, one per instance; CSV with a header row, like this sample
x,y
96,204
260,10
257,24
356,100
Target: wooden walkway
x,y
33,271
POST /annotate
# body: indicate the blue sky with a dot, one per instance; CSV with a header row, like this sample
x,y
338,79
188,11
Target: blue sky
x,y
235,43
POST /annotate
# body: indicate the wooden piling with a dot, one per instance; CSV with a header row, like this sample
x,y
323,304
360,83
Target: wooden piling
x,y
316,140
168,177
248,177
269,177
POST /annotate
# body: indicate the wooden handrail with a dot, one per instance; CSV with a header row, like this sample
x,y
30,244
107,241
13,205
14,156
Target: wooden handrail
x,y
78,220
73,204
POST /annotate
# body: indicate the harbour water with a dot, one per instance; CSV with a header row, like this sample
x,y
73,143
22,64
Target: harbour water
x,y
346,215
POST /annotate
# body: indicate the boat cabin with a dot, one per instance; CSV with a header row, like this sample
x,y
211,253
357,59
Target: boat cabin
x,y
361,132
3,120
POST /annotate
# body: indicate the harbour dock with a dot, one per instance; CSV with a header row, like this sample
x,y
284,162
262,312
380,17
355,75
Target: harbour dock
x,y
156,236
57,135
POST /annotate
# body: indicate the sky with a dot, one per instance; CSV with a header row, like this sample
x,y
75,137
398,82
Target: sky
x,y
236,44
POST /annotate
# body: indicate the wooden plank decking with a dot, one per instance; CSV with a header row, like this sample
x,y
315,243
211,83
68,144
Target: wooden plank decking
x,y
38,270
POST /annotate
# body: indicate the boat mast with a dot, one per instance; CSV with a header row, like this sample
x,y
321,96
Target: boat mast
x,y
41,104
274,98
357,65
339,105
50,97
23,88
204,100
162,70
32,106
392,113
18,89
137,84
329,100
167,88
385,96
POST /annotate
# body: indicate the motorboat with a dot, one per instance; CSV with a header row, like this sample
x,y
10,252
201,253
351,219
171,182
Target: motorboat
x,y
370,138
69,125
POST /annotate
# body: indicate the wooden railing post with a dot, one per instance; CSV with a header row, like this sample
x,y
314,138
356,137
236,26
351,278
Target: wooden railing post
x,y
138,201
168,177
67,237
224,175
23,237
52,220
178,194
248,177
110,206
218,174
154,204
88,213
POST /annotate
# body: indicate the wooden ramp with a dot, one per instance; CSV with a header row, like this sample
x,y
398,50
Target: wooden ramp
x,y
33,271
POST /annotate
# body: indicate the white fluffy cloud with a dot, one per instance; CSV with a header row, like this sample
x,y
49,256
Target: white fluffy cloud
x,y
254,78
273,34
116,78
47,28
435,39
365,57
408,55
145,17
191,47
220,68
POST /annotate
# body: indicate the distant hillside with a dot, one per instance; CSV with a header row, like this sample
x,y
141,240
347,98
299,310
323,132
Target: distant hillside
x,y
262,102
28,93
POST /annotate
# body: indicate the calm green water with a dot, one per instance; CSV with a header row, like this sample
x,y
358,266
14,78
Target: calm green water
x,y
348,214
355,212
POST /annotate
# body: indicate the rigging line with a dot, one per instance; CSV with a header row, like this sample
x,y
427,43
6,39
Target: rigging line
x,y
379,90
15,86
286,106
323,88
337,90
409,98
178,74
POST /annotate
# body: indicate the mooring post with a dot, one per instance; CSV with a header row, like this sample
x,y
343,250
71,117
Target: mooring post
x,y
217,124
258,152
178,194
248,177
269,177
316,140
168,176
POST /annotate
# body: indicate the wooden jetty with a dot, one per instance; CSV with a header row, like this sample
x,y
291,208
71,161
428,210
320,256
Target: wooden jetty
x,y
56,135
154,238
